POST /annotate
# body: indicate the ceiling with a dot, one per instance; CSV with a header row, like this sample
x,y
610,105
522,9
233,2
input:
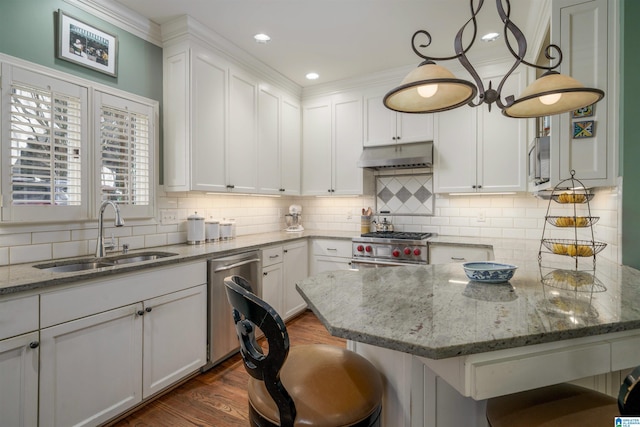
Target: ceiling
x,y
341,39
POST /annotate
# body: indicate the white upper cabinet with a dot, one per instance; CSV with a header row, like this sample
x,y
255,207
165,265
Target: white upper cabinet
x,y
581,29
386,127
242,144
278,143
332,145
224,130
195,116
480,151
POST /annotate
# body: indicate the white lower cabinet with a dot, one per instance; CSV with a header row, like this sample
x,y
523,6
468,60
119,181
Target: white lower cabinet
x,y
282,268
19,380
19,353
91,368
330,255
108,345
446,253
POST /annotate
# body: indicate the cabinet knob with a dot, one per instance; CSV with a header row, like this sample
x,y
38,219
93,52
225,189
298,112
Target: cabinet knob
x,y
285,251
479,186
34,344
264,273
473,186
148,309
231,186
140,312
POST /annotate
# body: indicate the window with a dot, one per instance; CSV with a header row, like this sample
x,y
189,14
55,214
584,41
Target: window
x,y
124,129
43,147
45,163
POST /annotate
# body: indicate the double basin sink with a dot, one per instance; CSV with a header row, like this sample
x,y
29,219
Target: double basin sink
x,y
94,263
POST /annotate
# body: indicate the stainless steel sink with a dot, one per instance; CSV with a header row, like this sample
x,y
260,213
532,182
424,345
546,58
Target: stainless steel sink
x,y
94,263
138,257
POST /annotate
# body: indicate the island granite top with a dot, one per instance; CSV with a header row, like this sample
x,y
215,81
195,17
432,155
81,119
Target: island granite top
x,y
435,311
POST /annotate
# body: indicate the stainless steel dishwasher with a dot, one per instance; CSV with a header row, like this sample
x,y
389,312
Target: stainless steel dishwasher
x,y
222,338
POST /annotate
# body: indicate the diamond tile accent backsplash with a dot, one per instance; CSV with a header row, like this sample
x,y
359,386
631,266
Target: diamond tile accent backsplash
x,y
405,194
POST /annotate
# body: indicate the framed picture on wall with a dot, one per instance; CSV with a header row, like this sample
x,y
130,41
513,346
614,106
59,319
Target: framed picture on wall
x,y
87,45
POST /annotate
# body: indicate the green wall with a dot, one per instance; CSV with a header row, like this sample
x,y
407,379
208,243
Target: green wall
x,y
27,31
630,143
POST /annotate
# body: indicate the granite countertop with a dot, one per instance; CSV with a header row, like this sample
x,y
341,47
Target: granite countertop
x,y
20,278
434,311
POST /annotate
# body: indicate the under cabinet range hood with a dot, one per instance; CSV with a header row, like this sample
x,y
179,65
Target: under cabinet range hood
x,y
398,156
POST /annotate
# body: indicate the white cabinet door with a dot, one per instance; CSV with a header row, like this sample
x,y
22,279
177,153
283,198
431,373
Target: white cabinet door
x,y
272,283
19,380
91,368
455,151
321,264
347,145
380,122
580,28
415,127
383,126
290,147
296,268
316,148
208,118
502,147
268,141
175,338
242,153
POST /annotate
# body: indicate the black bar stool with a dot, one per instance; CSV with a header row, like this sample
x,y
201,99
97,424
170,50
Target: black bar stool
x,y
310,385
565,405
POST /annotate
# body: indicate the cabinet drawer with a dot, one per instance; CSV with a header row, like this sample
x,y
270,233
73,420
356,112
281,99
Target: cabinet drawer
x,y
100,295
332,247
18,316
272,255
443,254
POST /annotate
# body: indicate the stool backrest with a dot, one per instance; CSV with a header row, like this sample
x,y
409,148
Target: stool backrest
x,y
629,396
250,312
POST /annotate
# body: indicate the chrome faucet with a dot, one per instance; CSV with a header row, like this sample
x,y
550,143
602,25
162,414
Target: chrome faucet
x,y
119,222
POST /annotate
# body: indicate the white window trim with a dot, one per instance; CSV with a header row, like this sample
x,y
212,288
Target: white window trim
x,y
91,202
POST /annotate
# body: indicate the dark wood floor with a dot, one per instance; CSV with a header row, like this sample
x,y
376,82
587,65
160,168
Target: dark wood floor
x,y
218,398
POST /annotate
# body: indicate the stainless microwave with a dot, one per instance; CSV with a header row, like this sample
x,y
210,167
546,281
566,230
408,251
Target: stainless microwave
x,y
539,161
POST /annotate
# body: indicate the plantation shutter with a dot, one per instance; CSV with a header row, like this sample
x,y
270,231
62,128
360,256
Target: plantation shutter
x,y
45,147
125,132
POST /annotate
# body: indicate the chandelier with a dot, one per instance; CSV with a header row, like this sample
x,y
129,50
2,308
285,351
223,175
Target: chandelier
x,y
430,88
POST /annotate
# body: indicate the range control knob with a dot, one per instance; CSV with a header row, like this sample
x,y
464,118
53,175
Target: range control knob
x,y
407,251
368,248
417,251
360,248
395,253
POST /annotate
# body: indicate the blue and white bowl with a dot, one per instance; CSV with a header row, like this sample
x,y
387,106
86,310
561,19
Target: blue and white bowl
x,y
489,272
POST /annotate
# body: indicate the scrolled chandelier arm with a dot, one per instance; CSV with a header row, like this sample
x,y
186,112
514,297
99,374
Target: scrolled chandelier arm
x,y
432,88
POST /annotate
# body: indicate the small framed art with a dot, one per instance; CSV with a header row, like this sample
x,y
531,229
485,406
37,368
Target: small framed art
x,y
584,129
86,45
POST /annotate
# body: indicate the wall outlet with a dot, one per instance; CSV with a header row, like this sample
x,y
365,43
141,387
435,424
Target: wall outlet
x,y
481,215
349,214
168,216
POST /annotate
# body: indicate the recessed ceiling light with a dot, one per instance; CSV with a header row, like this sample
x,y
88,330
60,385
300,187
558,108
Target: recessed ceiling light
x,y
489,37
262,38
312,76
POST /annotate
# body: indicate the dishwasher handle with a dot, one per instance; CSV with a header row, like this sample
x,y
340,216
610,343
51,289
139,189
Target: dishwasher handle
x,y
236,264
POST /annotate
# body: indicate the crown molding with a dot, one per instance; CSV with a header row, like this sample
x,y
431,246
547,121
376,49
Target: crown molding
x,y
186,27
122,17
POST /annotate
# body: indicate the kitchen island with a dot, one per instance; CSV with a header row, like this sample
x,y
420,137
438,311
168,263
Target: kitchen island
x,y
444,343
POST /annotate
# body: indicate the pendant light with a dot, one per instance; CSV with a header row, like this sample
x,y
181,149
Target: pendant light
x,y
431,88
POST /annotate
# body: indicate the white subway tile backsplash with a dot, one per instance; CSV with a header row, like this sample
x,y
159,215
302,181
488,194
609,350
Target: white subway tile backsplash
x,y
70,249
4,256
153,240
30,253
15,239
50,237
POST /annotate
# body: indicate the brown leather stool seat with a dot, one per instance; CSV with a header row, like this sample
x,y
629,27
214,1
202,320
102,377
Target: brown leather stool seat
x,y
330,386
562,405
307,385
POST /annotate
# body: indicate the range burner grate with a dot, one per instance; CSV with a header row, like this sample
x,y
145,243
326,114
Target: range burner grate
x,y
398,235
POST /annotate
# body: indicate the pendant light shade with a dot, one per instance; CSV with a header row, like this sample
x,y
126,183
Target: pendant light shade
x,y
553,93
428,89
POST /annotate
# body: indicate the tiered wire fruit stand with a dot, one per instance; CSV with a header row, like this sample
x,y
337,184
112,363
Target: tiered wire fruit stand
x,y
567,255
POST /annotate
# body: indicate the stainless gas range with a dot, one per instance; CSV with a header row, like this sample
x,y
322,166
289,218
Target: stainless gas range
x,y
391,248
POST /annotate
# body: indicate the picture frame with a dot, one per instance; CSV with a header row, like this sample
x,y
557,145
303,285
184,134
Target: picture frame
x,y
86,45
583,112
584,129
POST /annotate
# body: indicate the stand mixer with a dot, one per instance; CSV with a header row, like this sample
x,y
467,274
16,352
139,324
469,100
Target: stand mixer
x,y
293,218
